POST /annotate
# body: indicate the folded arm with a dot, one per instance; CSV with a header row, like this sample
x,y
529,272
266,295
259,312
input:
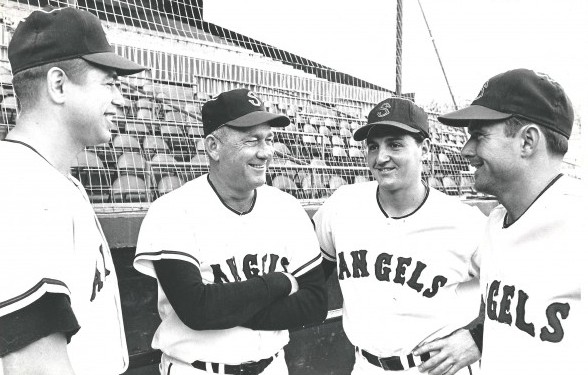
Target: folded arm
x,y
216,306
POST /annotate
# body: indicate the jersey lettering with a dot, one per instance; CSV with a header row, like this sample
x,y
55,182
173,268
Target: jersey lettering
x,y
501,312
383,267
504,315
359,264
99,276
343,269
231,271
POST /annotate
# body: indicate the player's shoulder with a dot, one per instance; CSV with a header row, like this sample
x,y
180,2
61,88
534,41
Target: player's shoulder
x,y
451,204
180,198
352,192
272,194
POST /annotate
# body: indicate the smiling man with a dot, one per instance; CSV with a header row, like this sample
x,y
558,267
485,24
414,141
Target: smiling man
x,y
60,311
237,261
405,254
532,250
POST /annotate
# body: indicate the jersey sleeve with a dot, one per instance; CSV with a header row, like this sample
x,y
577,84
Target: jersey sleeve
x,y
323,220
163,235
37,246
37,250
303,246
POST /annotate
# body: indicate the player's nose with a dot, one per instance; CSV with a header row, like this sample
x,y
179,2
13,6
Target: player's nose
x,y
468,149
265,151
117,97
383,156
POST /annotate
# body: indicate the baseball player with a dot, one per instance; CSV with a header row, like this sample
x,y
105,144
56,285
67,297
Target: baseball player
x,y
519,128
59,304
237,261
405,254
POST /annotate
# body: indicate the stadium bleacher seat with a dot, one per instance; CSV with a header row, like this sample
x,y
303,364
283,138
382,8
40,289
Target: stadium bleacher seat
x,y
194,131
199,146
435,183
174,116
199,159
130,189
286,184
337,141
325,131
450,186
330,124
178,143
335,182
359,179
89,169
136,128
281,151
192,113
144,109
167,184
466,183
105,152
125,143
8,107
355,154
340,156
132,163
154,145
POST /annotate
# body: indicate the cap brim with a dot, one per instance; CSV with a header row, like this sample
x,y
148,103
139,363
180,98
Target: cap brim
x,y
363,132
260,117
122,65
462,117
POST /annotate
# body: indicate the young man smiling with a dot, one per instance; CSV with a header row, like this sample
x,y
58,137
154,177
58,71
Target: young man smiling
x,y
237,261
405,254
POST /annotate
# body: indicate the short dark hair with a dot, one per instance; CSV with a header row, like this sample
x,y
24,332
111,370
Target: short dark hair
x,y
556,143
26,82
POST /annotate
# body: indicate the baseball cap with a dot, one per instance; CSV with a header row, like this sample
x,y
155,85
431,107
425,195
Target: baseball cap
x,y
396,113
523,93
239,108
53,35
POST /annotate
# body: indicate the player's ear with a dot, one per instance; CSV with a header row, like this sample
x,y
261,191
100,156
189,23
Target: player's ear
x,y
212,146
56,80
530,136
425,149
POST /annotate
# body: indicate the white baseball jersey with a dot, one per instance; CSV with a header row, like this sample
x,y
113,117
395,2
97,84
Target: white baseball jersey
x,y
193,224
401,277
51,242
531,277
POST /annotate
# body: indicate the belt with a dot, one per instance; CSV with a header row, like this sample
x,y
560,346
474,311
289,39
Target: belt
x,y
247,368
394,363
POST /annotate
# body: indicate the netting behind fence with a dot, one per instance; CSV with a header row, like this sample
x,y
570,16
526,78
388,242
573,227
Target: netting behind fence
x,y
157,140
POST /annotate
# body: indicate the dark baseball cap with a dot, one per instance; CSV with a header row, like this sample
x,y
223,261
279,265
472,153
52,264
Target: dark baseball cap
x,y
523,93
239,108
53,35
395,113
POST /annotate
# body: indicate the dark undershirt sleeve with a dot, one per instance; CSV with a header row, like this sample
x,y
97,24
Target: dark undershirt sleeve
x,y
49,314
216,306
328,267
476,327
308,305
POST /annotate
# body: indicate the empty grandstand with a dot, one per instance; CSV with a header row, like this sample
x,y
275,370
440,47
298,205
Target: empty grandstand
x,y
158,132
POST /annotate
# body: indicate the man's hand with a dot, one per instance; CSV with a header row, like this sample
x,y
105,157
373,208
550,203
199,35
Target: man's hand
x,y
449,354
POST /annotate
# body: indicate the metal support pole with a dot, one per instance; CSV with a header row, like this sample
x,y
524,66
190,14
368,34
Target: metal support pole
x,y
398,47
